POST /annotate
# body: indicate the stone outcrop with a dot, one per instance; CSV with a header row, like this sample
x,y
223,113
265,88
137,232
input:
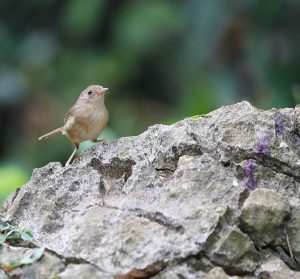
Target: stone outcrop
x,y
215,196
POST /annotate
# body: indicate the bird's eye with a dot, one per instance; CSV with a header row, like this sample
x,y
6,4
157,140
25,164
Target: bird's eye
x,y
90,93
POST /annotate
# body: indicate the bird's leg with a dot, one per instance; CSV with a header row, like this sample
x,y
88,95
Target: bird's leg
x,y
105,142
72,155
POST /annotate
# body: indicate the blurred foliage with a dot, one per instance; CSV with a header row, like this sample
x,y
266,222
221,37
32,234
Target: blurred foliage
x,y
162,60
11,177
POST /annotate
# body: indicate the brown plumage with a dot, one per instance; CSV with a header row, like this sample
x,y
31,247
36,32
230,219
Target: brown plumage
x,y
86,119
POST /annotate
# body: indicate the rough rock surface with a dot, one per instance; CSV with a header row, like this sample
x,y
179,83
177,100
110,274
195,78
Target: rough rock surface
x,y
215,196
263,215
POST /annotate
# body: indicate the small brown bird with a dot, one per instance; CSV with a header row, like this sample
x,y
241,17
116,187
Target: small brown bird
x,y
86,119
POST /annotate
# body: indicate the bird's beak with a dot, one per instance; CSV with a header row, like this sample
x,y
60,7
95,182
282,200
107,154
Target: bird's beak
x,y
105,90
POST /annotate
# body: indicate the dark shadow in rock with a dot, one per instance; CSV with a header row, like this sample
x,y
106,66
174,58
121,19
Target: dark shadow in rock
x,y
115,169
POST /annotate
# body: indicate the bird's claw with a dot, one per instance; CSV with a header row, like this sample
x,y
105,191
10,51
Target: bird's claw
x,y
105,142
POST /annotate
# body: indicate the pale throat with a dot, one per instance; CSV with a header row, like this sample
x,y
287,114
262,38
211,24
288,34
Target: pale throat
x,y
98,108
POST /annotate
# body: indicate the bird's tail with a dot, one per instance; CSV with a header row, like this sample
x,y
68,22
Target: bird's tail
x,y
52,133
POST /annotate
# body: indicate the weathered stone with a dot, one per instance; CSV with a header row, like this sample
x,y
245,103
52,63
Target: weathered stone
x,y
160,203
293,233
45,268
233,250
263,215
83,271
74,225
179,272
277,269
265,177
218,273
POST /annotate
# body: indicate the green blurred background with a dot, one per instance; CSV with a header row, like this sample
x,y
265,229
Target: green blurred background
x,y
162,60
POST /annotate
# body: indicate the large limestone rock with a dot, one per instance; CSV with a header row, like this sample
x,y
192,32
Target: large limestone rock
x,y
177,201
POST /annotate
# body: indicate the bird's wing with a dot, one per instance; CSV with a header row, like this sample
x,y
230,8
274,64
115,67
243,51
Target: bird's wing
x,y
78,111
69,114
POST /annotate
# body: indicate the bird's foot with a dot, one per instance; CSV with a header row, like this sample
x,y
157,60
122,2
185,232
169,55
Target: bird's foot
x,y
104,142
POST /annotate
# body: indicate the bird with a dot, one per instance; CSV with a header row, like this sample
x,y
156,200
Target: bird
x,y
85,120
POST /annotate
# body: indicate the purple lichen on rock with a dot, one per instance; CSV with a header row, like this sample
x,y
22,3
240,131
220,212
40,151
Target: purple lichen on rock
x,y
262,147
279,125
249,168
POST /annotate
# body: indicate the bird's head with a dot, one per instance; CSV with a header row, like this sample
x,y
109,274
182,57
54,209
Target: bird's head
x,y
94,94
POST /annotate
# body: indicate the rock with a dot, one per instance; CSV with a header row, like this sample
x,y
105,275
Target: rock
x,y
187,271
218,273
233,250
263,215
48,266
275,268
179,272
83,271
172,201
292,230
264,177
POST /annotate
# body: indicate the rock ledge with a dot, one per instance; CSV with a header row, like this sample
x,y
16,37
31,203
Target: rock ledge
x,y
215,196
